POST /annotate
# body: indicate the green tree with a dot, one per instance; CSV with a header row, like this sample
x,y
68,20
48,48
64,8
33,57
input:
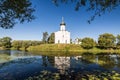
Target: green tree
x,y
118,41
70,41
0,42
14,11
6,42
34,43
97,7
51,38
106,40
25,44
17,44
45,37
88,43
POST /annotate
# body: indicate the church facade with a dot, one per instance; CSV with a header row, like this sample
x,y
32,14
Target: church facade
x,y
62,36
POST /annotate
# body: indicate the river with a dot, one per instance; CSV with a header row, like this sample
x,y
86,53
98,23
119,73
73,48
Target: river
x,y
21,65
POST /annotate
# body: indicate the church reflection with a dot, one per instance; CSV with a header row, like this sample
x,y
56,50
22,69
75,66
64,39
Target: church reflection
x,y
62,63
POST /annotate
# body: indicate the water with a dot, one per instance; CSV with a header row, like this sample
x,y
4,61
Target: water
x,y
19,65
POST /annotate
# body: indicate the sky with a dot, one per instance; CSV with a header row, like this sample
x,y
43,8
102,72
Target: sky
x,y
48,19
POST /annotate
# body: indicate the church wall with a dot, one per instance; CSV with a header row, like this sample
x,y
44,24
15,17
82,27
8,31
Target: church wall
x,y
62,37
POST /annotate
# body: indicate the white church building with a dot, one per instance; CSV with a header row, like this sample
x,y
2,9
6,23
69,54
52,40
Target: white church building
x,y
62,36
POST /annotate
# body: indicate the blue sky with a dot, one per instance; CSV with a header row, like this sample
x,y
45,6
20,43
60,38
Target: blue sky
x,y
48,18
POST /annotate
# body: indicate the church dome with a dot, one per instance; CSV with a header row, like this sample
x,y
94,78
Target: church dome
x,y
62,23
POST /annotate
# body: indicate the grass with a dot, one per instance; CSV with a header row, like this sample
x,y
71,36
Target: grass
x,y
55,47
69,48
65,48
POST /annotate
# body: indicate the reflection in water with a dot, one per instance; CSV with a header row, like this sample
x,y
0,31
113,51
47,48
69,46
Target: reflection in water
x,y
62,63
8,55
77,57
18,65
4,56
44,59
115,58
111,61
51,60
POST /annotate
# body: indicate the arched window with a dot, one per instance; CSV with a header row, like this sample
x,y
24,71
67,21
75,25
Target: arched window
x,y
65,41
58,41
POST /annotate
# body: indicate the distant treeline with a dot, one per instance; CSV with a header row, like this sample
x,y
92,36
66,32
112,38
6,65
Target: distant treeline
x,y
105,41
7,43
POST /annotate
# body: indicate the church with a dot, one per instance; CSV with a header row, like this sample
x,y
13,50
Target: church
x,y
62,36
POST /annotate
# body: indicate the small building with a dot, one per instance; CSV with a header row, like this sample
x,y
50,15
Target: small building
x,y
62,36
77,41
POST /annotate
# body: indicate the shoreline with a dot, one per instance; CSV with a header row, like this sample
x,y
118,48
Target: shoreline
x,y
69,48
65,48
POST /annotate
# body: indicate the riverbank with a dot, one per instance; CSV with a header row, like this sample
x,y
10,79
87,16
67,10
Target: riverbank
x,y
69,48
56,47
1,48
65,48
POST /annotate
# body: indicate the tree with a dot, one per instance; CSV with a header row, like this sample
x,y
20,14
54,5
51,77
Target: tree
x,y
34,43
118,41
45,37
25,44
6,42
0,42
13,11
88,43
70,41
106,40
51,38
17,44
99,7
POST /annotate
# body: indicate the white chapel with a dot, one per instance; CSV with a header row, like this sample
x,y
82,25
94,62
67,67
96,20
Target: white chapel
x,y
62,36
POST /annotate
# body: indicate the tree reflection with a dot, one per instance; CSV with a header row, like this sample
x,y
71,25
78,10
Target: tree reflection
x,y
5,56
51,60
44,61
107,61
